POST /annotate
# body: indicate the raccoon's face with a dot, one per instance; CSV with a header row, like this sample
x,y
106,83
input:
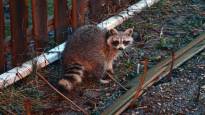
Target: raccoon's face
x,y
120,40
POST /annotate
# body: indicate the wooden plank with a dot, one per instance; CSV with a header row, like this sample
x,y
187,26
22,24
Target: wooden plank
x,y
40,28
96,7
19,24
153,74
82,6
61,19
74,16
2,35
29,34
78,11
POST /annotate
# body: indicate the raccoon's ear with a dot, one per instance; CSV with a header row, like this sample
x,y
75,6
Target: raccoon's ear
x,y
113,31
129,31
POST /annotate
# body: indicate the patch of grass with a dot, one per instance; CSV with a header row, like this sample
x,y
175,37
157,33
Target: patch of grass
x,y
12,98
128,24
128,63
7,29
161,3
132,75
166,43
50,7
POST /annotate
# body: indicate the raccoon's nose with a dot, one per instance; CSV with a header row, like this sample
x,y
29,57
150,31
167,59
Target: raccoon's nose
x,y
120,48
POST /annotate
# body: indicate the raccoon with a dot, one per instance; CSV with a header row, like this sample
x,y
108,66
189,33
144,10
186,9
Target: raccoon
x,y
90,52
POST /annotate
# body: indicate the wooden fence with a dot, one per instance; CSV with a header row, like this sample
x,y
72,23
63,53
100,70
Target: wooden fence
x,y
15,49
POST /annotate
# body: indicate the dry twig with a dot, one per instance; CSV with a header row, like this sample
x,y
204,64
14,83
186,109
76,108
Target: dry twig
x,y
8,111
43,78
27,106
116,81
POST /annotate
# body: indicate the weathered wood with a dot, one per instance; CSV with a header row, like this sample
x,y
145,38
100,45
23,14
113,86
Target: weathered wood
x,y
74,16
128,97
61,19
82,6
29,34
78,11
96,7
19,24
153,74
2,27
40,29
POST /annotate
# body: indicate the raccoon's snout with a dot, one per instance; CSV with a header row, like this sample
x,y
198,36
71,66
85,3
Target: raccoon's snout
x,y
115,43
120,48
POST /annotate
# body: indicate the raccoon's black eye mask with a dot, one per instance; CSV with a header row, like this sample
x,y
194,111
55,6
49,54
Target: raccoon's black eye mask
x,y
126,42
115,43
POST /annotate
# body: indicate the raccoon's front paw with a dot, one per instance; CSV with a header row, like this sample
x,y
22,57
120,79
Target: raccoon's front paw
x,y
110,72
106,79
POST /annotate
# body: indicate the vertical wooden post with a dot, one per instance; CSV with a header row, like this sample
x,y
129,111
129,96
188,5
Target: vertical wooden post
x,y
82,9
27,106
2,51
40,29
74,14
61,19
19,24
95,8
79,9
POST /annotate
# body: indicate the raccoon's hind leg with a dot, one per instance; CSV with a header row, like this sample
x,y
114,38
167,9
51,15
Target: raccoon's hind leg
x,y
99,70
73,75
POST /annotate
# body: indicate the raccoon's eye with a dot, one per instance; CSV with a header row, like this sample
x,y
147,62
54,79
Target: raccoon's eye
x,y
115,43
126,42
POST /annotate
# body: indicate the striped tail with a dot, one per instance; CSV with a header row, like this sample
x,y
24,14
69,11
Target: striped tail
x,y
73,75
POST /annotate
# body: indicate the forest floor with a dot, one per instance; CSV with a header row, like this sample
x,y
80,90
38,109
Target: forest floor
x,y
168,25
